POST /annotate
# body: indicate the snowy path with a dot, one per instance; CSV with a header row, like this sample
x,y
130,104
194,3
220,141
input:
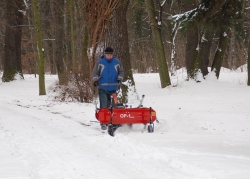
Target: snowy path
x,y
66,149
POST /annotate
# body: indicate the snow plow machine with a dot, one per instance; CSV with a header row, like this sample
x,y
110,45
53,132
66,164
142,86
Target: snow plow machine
x,y
118,114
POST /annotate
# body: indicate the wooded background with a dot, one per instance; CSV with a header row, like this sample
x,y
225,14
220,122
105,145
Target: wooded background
x,y
65,37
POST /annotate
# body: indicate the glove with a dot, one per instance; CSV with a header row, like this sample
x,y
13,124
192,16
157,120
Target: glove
x,y
96,83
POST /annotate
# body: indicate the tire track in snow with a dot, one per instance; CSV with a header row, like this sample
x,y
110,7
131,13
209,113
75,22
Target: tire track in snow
x,y
49,150
62,145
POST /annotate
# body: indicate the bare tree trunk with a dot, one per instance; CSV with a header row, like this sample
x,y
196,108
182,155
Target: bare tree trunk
x,y
68,60
72,34
53,67
191,51
117,37
13,36
159,48
206,44
58,6
192,39
173,49
85,61
32,62
42,90
223,42
2,30
248,64
138,46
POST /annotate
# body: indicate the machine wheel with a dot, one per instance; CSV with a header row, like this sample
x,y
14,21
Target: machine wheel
x,y
130,126
112,128
103,126
150,129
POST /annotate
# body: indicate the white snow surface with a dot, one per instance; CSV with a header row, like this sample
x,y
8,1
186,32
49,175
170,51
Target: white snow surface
x,y
203,133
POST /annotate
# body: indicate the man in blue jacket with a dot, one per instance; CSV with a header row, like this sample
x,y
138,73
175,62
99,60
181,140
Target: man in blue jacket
x,y
107,70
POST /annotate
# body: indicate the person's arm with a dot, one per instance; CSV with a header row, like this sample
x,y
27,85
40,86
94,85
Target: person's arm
x,y
120,72
96,73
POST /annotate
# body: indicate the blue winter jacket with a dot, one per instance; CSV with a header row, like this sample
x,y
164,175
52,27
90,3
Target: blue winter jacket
x,y
107,71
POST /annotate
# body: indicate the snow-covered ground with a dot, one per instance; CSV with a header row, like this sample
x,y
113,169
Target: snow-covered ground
x,y
204,132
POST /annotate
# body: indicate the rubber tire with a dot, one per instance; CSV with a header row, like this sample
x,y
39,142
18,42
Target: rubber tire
x,y
111,130
150,129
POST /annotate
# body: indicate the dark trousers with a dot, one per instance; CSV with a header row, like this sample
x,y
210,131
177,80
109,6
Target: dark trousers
x,y
104,97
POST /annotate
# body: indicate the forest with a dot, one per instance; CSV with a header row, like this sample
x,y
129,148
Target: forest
x,y
66,37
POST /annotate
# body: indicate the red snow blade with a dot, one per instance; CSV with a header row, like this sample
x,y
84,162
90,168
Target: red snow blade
x,y
126,115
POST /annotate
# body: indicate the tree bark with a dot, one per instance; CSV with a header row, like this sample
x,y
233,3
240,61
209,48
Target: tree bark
x,y
42,90
13,36
191,51
72,34
138,29
223,42
158,44
85,62
58,6
248,64
117,37
206,44
192,39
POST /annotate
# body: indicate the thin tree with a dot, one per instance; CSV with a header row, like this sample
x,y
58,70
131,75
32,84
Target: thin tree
x,y
248,64
13,36
139,46
158,44
97,14
72,34
2,30
82,47
85,62
57,7
42,90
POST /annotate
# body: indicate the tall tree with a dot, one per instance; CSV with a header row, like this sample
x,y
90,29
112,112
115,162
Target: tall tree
x,y
220,51
2,31
158,44
42,90
248,64
204,50
72,34
116,36
192,38
58,11
228,18
47,26
191,51
138,47
85,62
13,36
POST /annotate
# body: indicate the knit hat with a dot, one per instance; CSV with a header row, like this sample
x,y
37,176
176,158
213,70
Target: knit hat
x,y
108,50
